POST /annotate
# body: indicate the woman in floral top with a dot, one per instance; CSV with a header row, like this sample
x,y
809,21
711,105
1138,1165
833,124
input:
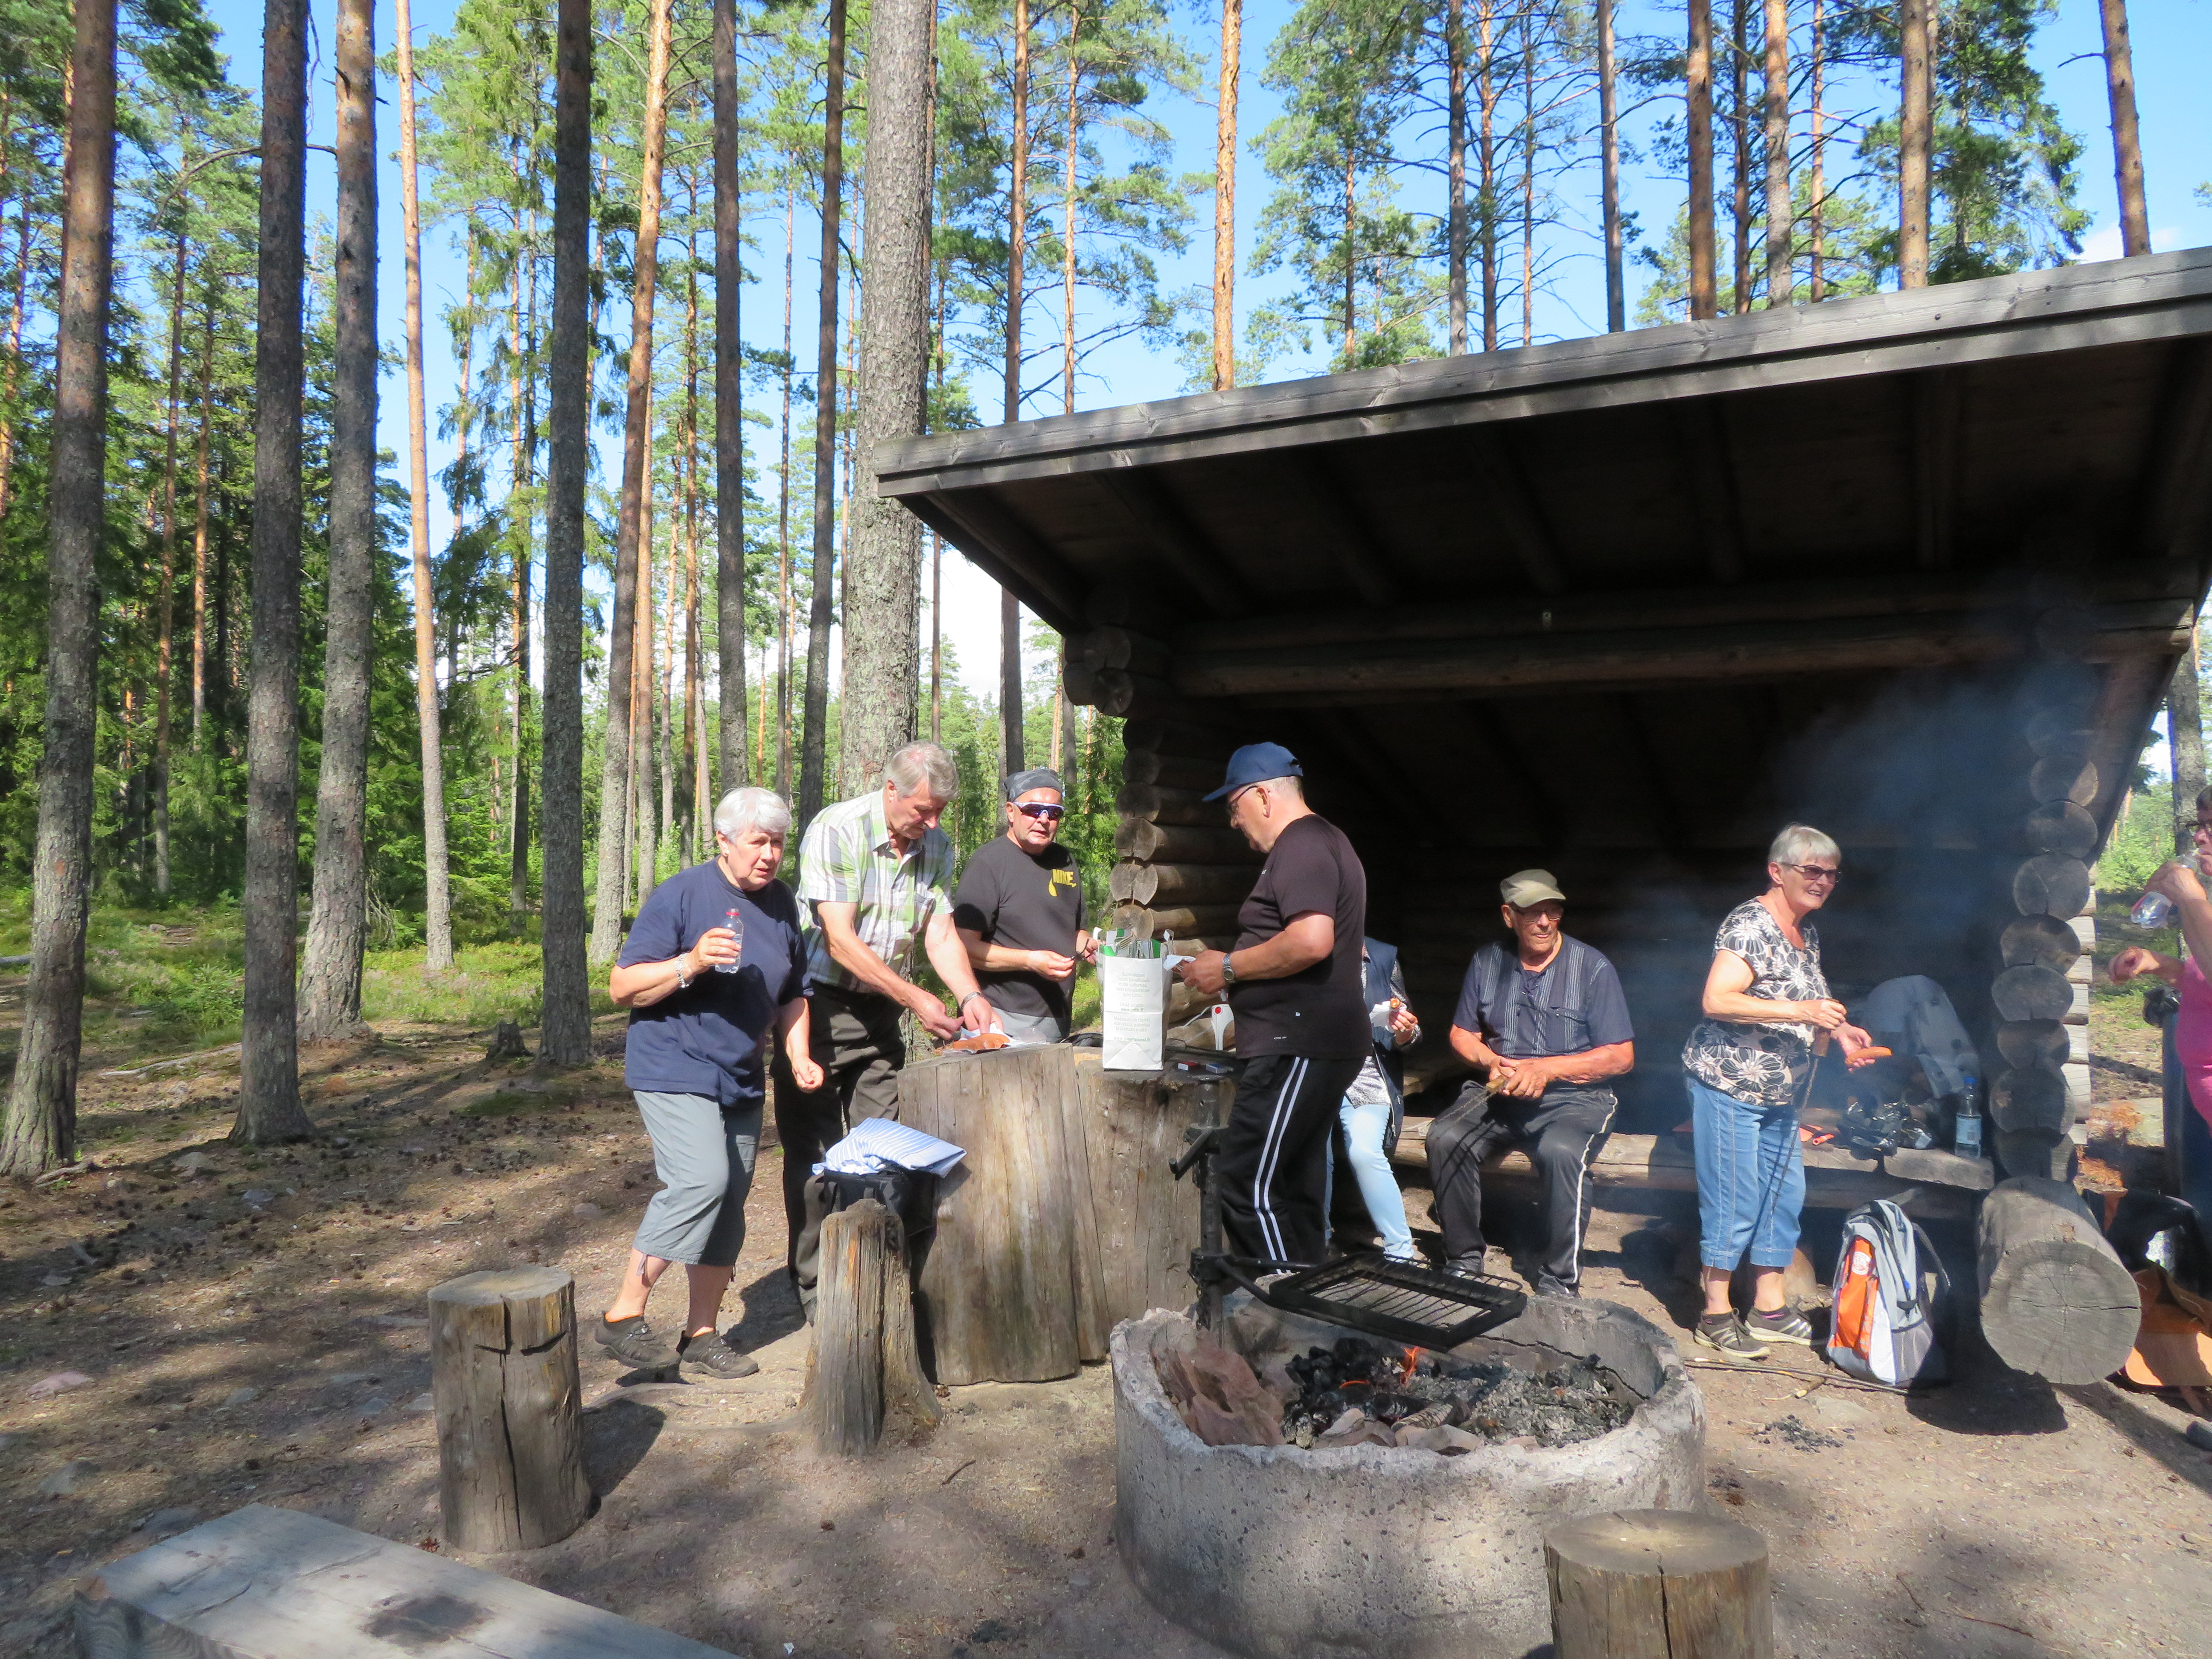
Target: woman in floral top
x,y
1767,1014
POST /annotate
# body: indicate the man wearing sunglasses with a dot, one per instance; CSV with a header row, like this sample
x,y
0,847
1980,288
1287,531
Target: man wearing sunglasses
x,y
1019,911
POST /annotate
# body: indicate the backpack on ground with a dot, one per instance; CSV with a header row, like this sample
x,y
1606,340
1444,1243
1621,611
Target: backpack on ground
x,y
1884,1328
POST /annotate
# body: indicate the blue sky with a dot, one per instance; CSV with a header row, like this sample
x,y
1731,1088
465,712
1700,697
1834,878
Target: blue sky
x,y
2173,43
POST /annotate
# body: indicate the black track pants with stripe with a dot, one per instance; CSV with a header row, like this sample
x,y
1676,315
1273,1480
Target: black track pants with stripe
x,y
1273,1164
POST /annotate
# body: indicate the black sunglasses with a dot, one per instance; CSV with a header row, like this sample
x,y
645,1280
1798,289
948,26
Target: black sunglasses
x,y
1037,809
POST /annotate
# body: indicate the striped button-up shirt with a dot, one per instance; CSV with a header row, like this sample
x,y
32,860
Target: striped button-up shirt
x,y
848,857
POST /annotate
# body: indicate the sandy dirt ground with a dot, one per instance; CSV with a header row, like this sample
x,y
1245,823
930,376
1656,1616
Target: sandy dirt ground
x,y
248,1326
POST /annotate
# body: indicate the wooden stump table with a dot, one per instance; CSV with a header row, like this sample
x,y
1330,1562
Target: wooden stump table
x,y
1062,1220
510,1437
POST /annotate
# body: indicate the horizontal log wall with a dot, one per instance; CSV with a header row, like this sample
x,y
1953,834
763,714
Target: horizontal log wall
x,y
1181,870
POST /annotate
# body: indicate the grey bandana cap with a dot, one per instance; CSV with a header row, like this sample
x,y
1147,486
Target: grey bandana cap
x,y
1038,777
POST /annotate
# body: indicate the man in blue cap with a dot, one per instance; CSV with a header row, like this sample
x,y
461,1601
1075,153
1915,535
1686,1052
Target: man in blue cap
x,y
1294,981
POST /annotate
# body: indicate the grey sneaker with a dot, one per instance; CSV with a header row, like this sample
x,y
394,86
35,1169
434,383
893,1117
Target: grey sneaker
x,y
712,1355
635,1343
1782,1325
1547,1285
1725,1335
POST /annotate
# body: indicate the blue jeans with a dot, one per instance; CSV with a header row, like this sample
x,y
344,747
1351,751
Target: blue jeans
x,y
1750,1179
1363,1129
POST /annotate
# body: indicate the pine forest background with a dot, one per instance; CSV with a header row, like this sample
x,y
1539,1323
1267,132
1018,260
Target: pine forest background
x,y
1409,177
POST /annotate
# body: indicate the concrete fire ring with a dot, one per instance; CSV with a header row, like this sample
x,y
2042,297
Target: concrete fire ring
x,y
1392,1552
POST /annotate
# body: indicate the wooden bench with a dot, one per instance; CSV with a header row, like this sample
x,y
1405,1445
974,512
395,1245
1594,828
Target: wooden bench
x,y
1930,1183
270,1583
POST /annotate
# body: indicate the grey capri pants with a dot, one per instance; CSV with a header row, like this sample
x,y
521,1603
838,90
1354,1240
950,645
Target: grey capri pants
x,y
704,1157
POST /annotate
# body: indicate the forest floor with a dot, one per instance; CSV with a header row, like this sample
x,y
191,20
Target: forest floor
x,y
250,1328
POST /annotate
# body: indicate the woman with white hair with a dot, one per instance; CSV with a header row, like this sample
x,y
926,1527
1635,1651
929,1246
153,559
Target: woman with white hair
x,y
1768,1015
713,960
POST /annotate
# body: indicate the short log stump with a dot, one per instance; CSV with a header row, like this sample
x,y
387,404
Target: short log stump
x,y
1279,1553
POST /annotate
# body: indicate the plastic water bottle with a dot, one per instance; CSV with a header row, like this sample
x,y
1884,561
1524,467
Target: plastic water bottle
x,y
735,922
1966,1125
2151,910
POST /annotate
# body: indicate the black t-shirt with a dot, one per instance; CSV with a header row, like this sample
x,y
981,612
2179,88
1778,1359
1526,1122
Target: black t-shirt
x,y
712,1039
1026,902
1319,1012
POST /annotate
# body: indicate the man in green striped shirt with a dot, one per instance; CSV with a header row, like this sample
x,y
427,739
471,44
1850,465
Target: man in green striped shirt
x,y
875,883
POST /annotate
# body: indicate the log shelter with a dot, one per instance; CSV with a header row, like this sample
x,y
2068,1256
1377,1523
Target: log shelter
x,y
1914,567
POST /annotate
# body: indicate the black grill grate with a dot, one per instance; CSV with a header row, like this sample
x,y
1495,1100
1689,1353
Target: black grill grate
x,y
1406,1303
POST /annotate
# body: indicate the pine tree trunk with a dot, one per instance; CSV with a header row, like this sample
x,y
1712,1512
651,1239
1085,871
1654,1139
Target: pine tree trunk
x,y
2184,729
566,1037
1529,44
1485,98
437,915
1224,197
645,846
1739,120
1817,186
882,552
200,516
2127,142
269,1073
1455,175
1351,256
1009,608
517,846
1608,105
694,752
1914,139
814,735
41,1130
1780,213
1705,275
664,685
14,349
729,410
337,924
165,643
618,764
1067,208
783,675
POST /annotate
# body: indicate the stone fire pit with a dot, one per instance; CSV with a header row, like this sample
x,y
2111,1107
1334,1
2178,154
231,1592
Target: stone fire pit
x,y
1395,1553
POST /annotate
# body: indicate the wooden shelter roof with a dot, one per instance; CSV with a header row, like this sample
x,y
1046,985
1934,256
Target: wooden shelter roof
x,y
1904,481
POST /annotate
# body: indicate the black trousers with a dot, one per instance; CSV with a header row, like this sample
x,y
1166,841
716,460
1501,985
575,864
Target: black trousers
x,y
1273,1164
855,1040
1560,1145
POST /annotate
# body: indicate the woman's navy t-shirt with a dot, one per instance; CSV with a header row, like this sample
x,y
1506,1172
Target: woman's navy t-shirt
x,y
710,1040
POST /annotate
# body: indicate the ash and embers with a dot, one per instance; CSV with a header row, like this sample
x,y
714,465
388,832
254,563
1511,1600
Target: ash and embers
x,y
1364,1392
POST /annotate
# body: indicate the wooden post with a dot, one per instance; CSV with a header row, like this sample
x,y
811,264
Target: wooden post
x,y
2055,1300
510,1441
863,1374
1658,1584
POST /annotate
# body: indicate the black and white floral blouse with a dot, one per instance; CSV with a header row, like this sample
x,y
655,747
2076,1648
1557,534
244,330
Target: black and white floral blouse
x,y
1757,1063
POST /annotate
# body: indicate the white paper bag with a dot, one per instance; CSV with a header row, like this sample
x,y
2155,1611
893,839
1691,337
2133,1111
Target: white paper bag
x,y
1135,994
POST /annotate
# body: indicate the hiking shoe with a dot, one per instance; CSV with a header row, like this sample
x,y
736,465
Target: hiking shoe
x,y
710,1355
635,1343
1725,1335
1782,1325
1547,1285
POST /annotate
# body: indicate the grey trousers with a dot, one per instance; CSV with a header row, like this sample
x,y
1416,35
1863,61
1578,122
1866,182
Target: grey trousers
x,y
1032,1028
855,1040
704,1157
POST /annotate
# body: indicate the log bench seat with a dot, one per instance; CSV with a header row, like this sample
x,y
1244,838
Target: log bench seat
x,y
262,1582
1930,1183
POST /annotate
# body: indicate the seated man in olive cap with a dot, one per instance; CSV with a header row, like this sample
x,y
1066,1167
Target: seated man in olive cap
x,y
1019,913
1547,1023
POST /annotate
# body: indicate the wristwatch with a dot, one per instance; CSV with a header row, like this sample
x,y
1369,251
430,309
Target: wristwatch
x,y
1227,971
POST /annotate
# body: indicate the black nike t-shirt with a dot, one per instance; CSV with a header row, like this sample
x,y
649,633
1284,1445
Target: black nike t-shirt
x,y
1026,902
1320,1012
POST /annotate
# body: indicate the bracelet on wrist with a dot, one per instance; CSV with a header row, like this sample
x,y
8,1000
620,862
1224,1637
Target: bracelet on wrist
x,y
970,998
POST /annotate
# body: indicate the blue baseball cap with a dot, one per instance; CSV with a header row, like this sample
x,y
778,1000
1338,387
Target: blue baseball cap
x,y
1255,763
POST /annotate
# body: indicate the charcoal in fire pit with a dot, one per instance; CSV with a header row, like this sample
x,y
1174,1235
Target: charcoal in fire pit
x,y
1575,1401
